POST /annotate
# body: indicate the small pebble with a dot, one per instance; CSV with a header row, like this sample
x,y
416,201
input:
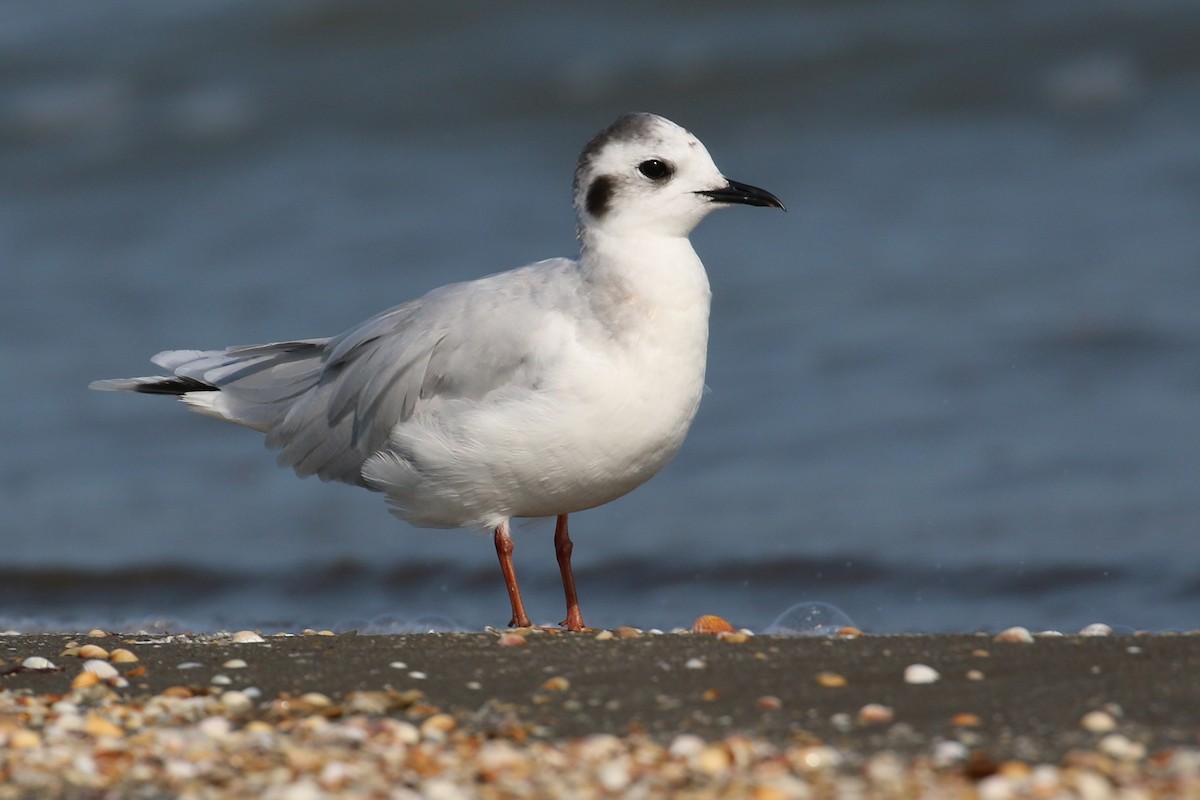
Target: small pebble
x,y
236,702
695,663
948,753
1015,635
235,663
966,719
1098,722
875,714
830,680
769,702
556,684
713,760
626,632
974,675
98,726
813,758
686,746
842,721
436,727
221,680
920,673
604,636
214,727
1097,629
398,665
511,640
189,665
1122,747
417,675
24,739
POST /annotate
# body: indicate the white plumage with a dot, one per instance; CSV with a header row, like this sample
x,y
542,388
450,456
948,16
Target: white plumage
x,y
541,391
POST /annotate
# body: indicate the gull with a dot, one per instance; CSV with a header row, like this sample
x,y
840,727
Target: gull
x,y
538,392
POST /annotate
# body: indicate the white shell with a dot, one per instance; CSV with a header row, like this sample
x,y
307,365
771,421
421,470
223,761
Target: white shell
x,y
101,669
1016,634
920,673
247,637
37,662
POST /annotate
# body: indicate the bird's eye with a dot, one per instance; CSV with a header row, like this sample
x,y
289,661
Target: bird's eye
x,y
655,169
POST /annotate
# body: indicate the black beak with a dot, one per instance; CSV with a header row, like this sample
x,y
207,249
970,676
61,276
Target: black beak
x,y
734,192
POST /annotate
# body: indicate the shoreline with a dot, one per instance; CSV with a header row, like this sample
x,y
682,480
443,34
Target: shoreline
x,y
801,710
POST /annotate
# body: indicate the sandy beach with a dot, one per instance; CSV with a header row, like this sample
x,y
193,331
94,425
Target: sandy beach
x,y
625,713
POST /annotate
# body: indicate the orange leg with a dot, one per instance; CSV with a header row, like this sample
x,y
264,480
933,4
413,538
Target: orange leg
x,y
504,549
562,549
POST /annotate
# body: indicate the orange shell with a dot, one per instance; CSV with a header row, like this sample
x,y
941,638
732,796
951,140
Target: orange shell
x,y
710,623
85,679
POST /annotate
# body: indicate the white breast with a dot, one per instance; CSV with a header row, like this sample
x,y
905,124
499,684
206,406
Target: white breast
x,y
611,410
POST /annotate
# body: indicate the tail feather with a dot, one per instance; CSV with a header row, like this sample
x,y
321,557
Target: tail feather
x,y
278,389
253,386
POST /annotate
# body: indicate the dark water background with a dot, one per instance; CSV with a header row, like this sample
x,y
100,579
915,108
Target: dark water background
x,y
957,387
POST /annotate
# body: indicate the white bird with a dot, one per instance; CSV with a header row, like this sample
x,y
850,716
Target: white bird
x,y
536,392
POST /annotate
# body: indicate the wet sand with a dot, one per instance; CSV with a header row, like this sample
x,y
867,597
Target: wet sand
x,y
993,712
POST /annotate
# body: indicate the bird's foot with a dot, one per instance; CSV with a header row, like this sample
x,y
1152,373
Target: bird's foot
x,y
573,622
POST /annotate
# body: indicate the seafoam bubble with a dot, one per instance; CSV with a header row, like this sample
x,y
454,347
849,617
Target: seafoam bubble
x,y
432,623
422,623
811,619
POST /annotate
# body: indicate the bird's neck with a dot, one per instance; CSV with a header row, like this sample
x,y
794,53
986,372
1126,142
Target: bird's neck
x,y
661,270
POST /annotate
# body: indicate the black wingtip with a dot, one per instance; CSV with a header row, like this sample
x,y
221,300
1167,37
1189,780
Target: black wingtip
x,y
174,386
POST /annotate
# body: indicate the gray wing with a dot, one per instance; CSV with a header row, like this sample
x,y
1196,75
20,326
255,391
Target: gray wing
x,y
464,341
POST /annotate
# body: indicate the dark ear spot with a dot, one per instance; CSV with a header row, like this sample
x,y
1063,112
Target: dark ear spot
x,y
598,195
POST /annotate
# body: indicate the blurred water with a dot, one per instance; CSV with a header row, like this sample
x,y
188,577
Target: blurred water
x,y
955,388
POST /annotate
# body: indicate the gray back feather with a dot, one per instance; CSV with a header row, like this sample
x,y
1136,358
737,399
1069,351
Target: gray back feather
x,y
327,405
